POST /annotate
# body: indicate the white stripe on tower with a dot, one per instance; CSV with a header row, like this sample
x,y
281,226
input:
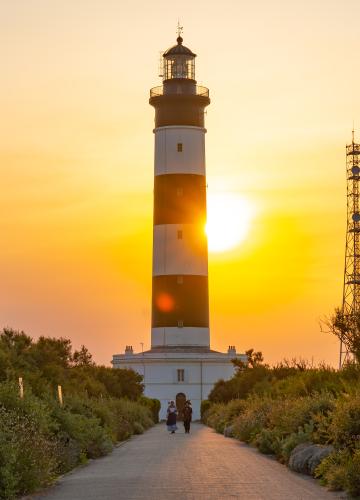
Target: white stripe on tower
x,y
167,158
179,249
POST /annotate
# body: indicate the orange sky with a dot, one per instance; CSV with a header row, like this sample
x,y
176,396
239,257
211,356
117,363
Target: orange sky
x,y
76,165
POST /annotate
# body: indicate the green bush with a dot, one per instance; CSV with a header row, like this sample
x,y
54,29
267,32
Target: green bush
x,y
28,456
138,428
341,471
268,441
252,419
295,379
304,434
332,470
344,427
154,406
239,386
220,416
353,475
204,409
93,440
39,439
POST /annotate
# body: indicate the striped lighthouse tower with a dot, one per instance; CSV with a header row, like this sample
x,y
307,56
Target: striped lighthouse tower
x,y
180,364
180,304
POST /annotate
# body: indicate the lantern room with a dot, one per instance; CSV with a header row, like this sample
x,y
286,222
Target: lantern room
x,y
179,62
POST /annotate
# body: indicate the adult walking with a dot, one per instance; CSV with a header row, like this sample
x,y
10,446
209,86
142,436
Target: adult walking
x,y
187,416
171,417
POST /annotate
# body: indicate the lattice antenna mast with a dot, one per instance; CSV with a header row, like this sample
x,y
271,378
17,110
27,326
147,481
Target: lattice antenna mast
x,y
351,292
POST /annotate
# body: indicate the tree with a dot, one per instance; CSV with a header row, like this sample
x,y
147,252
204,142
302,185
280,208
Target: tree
x,y
120,382
254,358
52,358
52,351
15,355
82,357
347,328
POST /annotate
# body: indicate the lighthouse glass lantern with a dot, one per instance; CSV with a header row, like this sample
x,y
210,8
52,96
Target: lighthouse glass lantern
x,y
179,62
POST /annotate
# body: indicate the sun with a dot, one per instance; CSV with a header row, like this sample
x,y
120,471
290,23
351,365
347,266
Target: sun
x,y
229,219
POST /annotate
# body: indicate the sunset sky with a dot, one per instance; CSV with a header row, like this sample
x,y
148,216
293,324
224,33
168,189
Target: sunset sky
x,y
76,165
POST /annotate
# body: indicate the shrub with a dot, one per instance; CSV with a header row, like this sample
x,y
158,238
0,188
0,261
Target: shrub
x,y
28,457
138,428
269,441
35,409
239,386
290,414
154,406
353,475
344,427
287,379
204,408
341,471
303,435
216,417
252,419
93,439
38,438
220,416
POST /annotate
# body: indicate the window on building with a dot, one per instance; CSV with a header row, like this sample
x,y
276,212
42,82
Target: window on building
x,y
179,147
180,280
181,375
179,234
180,323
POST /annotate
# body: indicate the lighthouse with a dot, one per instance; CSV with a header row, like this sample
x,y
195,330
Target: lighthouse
x,y
180,364
180,298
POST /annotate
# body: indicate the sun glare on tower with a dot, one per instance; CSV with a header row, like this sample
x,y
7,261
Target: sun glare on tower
x,y
229,218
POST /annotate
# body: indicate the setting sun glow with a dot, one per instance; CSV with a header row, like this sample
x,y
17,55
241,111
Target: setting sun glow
x,y
228,221
77,173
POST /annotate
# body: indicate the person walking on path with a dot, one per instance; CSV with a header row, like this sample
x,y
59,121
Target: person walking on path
x,y
171,417
187,416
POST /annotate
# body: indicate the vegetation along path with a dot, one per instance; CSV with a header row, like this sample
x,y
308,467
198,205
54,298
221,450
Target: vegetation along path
x,y
200,465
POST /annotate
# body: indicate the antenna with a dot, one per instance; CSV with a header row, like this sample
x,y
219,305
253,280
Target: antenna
x,y
351,290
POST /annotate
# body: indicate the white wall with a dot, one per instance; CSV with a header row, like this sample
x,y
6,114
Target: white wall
x,y
172,255
167,158
161,380
172,336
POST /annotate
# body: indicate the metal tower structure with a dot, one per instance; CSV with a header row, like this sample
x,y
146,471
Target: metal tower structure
x,y
351,291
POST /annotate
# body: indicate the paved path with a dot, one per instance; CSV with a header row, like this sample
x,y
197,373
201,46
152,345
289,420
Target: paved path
x,y
200,466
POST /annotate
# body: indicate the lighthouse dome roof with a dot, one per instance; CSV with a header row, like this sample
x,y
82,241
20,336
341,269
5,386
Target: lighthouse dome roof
x,y
179,49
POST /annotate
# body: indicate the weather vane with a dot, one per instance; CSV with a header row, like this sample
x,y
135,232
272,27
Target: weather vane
x,y
180,29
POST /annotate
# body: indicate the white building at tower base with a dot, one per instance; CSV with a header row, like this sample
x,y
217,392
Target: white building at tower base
x,y
170,372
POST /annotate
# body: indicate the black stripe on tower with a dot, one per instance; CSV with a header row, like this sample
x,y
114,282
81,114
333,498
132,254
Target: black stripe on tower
x,y
179,199
180,301
179,109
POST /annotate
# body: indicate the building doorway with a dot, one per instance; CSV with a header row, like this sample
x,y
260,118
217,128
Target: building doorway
x,y
180,403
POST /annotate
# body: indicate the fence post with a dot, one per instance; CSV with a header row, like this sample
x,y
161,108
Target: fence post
x,y
60,395
21,387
